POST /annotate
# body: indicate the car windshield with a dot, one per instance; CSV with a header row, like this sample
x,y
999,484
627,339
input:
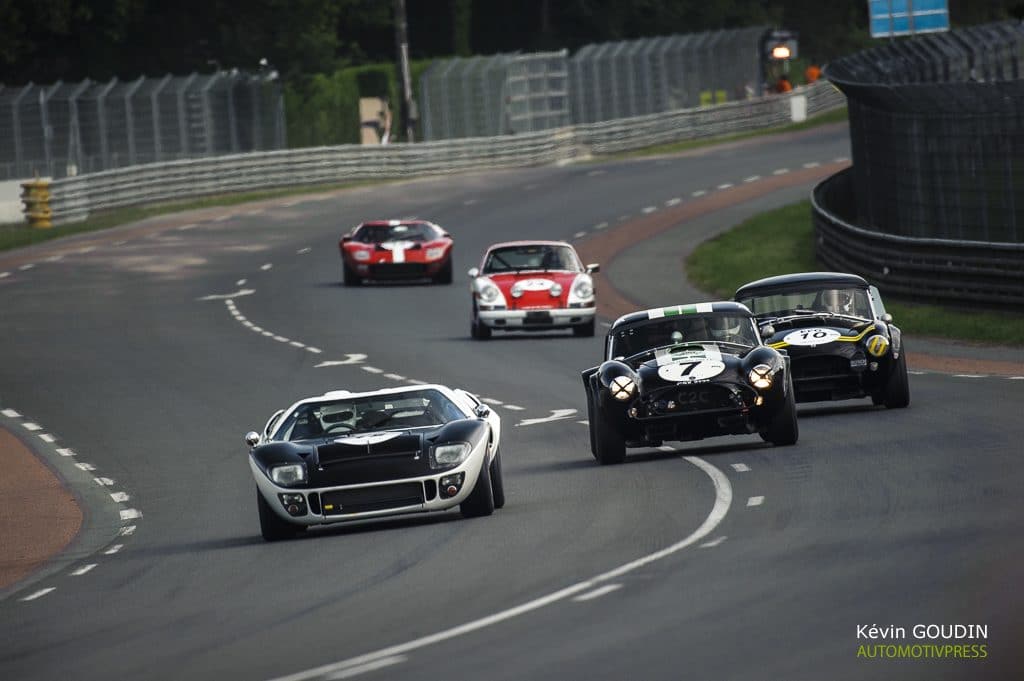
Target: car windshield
x,y
845,301
531,257
375,234
368,414
656,333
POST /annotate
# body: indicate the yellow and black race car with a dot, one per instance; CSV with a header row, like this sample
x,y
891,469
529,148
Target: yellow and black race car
x,y
841,342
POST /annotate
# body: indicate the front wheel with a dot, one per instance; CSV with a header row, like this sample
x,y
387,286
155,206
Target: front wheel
x,y
272,527
480,501
897,388
609,444
349,277
478,330
783,428
497,481
585,330
444,275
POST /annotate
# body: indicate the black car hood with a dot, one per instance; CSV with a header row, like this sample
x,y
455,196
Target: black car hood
x,y
689,364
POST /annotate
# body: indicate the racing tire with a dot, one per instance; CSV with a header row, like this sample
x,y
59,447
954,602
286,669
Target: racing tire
x,y
609,444
590,425
783,429
480,501
497,481
444,276
478,330
897,388
348,277
272,527
584,330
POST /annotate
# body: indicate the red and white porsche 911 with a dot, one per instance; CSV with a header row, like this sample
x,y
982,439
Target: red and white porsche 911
x,y
532,286
396,249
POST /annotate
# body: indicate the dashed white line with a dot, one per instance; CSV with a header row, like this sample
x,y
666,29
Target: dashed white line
x,y
240,282
104,482
755,501
812,164
54,258
28,425
266,266
190,225
1016,378
46,437
373,370
556,415
119,243
26,267
752,178
222,218
85,466
4,275
725,185
64,451
584,422
647,210
39,594
700,192
127,530
514,407
303,251
969,376
87,249
130,513
713,543
11,414
673,202
840,159
917,373
780,171
114,549
297,344
119,497
740,467
268,334
577,235
282,339
373,665
415,381
315,351
84,569
395,377
597,593
601,225
491,400
623,218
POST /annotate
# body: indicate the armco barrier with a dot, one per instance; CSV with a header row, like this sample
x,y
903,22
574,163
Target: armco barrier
x,y
74,198
966,273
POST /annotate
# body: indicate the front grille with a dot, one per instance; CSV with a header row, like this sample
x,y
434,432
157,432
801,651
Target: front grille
x,y
692,399
820,366
398,270
362,500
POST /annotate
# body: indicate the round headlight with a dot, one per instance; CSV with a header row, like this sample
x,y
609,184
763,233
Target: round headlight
x,y
877,345
489,293
361,255
622,387
761,376
583,288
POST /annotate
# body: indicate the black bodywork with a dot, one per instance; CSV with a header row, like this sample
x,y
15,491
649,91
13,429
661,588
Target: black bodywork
x,y
862,353
681,410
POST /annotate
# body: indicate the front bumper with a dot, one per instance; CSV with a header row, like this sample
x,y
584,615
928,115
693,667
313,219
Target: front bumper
x,y
559,318
397,270
385,497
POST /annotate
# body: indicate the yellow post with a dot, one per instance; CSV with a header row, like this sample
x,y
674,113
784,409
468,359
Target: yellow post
x,y
36,197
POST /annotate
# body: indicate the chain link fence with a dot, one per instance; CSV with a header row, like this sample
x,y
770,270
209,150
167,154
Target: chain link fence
x,y
66,129
510,94
937,134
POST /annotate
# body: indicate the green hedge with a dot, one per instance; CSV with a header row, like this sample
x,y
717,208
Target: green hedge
x,y
323,109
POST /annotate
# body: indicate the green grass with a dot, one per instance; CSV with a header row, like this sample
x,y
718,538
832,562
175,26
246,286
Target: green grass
x,y
16,234
782,241
834,116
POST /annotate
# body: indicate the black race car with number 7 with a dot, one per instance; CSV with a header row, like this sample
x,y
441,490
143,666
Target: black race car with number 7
x,y
841,341
685,373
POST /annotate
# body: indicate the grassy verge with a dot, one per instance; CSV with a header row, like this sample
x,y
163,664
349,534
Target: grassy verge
x,y
835,116
781,241
15,234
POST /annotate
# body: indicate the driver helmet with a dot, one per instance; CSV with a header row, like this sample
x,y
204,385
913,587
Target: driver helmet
x,y
676,337
837,301
724,328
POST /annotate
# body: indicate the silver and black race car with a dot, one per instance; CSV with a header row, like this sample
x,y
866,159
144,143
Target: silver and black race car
x,y
349,456
686,373
841,341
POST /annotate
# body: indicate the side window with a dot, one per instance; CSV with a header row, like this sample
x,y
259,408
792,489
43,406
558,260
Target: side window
x,y
876,302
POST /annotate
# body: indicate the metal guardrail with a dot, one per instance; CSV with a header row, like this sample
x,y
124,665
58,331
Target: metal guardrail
x,y
74,198
942,270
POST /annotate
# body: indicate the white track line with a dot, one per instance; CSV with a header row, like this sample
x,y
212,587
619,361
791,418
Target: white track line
x,y
349,672
713,543
597,593
28,425
578,235
11,414
673,202
82,570
723,500
725,185
780,171
700,192
740,467
752,178
39,594
755,501
812,164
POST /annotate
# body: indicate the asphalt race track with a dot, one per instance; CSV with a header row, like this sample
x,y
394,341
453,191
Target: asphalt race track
x,y
147,352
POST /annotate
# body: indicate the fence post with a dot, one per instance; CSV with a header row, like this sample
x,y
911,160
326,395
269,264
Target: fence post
x,y
158,147
74,129
44,114
101,118
16,121
130,116
183,114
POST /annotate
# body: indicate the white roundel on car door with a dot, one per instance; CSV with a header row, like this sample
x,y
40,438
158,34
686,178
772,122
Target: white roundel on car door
x,y
811,337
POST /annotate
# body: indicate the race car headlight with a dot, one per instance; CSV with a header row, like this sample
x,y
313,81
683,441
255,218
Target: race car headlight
x,y
622,388
451,454
556,290
289,474
583,288
517,291
361,255
489,293
435,253
761,376
877,345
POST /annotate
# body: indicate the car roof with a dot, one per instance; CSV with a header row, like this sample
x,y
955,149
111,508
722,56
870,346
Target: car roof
x,y
394,223
534,242
343,394
677,310
801,280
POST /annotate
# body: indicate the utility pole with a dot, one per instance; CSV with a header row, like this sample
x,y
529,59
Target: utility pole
x,y
402,44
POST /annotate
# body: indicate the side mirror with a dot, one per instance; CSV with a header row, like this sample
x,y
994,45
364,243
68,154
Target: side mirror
x,y
251,438
446,235
887,318
473,272
767,331
593,267
482,410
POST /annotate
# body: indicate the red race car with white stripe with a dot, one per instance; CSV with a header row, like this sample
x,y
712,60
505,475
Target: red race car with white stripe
x,y
532,286
396,249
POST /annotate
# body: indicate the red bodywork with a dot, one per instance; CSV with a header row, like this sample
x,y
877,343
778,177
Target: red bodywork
x,y
535,300
395,257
